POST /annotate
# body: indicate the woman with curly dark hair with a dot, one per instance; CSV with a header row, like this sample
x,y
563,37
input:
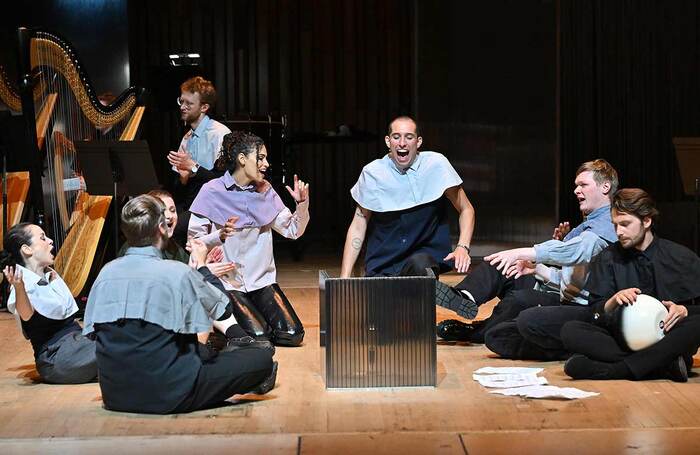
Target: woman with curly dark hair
x,y
259,305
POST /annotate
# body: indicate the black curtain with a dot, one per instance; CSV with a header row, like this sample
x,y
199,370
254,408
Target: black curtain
x,y
629,84
321,63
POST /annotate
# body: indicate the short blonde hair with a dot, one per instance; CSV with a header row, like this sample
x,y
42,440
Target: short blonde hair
x,y
602,172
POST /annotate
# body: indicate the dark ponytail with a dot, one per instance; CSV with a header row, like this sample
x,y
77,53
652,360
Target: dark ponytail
x,y
17,236
234,144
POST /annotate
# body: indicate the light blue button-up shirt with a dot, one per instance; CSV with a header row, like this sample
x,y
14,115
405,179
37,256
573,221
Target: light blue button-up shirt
x,y
570,258
143,285
204,142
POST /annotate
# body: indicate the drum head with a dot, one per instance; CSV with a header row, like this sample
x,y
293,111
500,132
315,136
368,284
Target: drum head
x,y
642,322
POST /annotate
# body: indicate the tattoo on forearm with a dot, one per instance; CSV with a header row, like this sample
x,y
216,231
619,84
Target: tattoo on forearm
x,y
356,243
359,213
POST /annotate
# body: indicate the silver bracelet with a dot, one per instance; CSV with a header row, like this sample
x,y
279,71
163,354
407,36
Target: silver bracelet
x,y
465,247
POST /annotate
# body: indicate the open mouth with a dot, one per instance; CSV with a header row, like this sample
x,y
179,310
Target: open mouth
x,y
402,153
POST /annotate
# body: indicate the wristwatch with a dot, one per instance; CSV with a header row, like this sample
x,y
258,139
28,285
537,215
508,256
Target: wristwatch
x,y
195,168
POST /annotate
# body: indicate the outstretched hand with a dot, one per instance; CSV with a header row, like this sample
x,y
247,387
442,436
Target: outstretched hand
x,y
520,268
461,258
13,276
198,252
300,193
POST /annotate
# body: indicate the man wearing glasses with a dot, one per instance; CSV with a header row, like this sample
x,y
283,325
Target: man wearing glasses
x,y
200,146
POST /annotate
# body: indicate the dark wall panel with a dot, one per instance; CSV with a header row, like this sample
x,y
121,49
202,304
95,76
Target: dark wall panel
x,y
320,63
630,83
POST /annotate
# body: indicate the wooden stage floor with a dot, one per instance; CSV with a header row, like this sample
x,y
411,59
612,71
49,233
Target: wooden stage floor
x,y
300,416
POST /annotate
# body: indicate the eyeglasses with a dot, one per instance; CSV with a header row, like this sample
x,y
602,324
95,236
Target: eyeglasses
x,y
181,102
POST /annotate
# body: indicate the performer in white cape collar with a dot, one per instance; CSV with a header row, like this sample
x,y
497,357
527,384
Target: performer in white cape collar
x,y
401,209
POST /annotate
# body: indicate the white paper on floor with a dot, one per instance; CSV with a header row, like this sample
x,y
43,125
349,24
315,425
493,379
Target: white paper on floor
x,y
546,391
508,370
524,381
505,381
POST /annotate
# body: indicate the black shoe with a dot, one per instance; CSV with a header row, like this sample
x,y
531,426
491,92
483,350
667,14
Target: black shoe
x,y
581,367
248,342
452,299
677,370
216,341
454,330
269,382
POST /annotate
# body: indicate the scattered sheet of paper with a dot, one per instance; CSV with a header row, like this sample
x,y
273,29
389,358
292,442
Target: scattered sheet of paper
x,y
508,370
505,381
546,391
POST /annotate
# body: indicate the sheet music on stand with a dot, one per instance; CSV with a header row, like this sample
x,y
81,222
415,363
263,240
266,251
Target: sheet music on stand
x,y
117,168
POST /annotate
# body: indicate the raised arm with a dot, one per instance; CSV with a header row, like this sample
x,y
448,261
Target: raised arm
x,y
354,240
22,305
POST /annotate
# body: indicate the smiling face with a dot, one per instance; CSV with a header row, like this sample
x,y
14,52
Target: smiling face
x,y
191,107
403,142
39,251
590,194
252,167
170,214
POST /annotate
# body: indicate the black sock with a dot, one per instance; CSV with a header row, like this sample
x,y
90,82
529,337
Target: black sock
x,y
620,370
235,331
581,367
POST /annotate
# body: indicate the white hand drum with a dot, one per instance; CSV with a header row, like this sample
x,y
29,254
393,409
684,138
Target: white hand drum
x,y
643,322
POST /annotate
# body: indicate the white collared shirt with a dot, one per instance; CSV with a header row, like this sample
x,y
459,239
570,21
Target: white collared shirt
x,y
53,301
251,248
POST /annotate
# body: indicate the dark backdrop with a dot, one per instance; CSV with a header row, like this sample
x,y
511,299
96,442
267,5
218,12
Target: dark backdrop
x,y
630,81
322,63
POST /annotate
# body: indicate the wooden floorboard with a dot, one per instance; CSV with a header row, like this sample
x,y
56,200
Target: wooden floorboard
x,y
300,416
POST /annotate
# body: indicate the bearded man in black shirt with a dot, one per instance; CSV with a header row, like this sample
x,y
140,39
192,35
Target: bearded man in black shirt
x,y
639,263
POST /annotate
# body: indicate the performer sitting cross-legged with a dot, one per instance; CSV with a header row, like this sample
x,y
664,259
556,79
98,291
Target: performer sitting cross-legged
x,y
46,308
258,303
145,313
639,263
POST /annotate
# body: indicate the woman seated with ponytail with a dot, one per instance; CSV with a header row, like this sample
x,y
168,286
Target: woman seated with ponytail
x,y
46,308
258,303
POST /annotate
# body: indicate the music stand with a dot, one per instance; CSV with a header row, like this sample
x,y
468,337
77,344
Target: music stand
x,y
688,156
117,168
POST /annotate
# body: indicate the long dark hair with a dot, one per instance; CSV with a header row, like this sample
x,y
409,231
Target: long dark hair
x,y
233,145
17,236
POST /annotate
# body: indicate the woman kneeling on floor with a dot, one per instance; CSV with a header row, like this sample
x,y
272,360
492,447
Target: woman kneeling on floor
x,y
46,308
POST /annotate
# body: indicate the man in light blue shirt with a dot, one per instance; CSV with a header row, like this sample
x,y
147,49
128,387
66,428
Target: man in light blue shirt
x,y
552,273
194,160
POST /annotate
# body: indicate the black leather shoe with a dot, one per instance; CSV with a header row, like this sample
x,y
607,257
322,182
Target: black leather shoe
x,y
248,342
269,382
452,299
677,370
454,330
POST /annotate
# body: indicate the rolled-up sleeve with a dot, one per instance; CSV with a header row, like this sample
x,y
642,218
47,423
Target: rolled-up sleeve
x,y
292,225
578,250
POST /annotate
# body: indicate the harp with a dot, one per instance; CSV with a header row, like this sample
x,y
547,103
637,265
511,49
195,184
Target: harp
x,y
54,84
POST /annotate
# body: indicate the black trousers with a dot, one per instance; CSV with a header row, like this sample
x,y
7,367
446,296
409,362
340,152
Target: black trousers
x,y
536,333
225,375
267,313
599,344
417,264
485,282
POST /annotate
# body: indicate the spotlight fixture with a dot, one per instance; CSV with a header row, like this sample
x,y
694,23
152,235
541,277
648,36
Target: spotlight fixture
x,y
184,59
